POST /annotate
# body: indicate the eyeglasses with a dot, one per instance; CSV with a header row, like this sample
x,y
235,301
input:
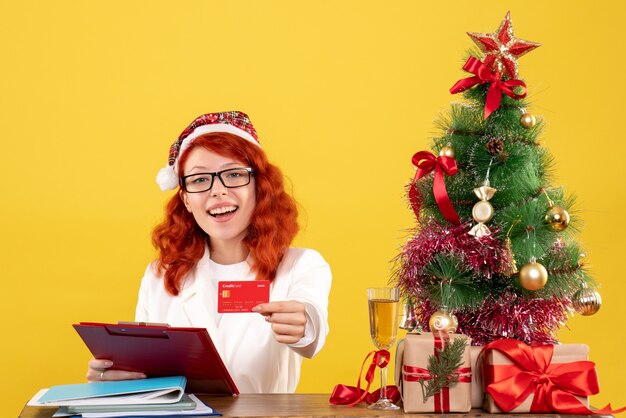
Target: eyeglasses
x,y
231,178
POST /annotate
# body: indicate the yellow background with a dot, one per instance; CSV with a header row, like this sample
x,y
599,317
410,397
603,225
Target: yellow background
x,y
342,94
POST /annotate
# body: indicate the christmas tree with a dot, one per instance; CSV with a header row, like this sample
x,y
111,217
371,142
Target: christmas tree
x,y
494,253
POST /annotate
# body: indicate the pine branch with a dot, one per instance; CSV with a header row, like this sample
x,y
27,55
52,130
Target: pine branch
x,y
442,367
453,284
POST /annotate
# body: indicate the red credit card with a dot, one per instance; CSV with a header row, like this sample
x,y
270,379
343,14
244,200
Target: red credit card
x,y
241,296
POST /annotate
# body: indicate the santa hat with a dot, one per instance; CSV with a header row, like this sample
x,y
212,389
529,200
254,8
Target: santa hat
x,y
236,123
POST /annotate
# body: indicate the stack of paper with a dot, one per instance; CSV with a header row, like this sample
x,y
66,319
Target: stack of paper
x,y
144,397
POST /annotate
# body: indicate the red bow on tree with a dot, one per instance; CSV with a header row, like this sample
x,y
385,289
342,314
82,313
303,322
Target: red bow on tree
x,y
554,386
483,75
426,162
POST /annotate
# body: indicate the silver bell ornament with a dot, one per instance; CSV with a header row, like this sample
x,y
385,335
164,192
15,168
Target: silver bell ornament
x,y
409,319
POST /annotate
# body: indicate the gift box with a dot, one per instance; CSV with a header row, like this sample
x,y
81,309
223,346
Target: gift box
x,y
518,378
476,384
412,358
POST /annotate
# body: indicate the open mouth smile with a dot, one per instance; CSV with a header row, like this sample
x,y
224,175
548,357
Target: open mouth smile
x,y
223,211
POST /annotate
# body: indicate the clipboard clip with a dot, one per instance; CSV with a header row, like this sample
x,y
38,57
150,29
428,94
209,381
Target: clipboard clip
x,y
139,329
144,324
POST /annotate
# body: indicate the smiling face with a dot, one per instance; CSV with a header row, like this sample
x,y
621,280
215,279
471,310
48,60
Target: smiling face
x,y
223,213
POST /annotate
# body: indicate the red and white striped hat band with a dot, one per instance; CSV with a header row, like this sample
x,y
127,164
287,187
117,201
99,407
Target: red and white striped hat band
x,y
236,123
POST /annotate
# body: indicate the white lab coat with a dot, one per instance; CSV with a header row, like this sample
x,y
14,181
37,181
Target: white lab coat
x,y
256,362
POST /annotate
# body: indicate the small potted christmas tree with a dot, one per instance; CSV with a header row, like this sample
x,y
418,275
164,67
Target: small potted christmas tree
x,y
494,254
494,250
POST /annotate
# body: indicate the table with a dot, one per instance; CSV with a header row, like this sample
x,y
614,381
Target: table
x,y
296,405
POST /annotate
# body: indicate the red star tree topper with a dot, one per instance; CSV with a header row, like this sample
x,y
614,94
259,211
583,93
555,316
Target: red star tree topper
x,y
502,48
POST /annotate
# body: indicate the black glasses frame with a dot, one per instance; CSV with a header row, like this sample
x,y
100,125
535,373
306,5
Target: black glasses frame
x,y
217,174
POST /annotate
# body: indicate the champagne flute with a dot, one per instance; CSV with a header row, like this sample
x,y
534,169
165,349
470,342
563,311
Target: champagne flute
x,y
383,308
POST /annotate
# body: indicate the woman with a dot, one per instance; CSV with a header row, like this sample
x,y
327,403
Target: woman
x,y
232,220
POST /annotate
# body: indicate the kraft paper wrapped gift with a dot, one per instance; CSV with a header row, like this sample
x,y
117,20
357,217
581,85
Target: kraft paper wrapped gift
x,y
411,364
476,385
491,359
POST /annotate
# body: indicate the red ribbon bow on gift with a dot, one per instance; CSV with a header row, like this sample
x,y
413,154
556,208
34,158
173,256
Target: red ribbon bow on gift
x,y
554,386
484,75
350,395
426,162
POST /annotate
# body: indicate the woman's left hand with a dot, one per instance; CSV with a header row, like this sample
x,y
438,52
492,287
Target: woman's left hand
x,y
288,319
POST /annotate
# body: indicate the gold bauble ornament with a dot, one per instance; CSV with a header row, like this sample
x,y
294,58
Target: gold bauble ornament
x,y
557,218
533,276
587,301
528,121
443,321
447,151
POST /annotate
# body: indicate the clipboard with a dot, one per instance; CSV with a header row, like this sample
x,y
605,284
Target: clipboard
x,y
161,350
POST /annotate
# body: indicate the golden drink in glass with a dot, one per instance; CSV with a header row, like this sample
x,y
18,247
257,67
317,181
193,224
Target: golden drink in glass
x,y
383,322
383,311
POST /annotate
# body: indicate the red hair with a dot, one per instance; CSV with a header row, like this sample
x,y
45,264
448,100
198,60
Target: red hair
x,y
274,223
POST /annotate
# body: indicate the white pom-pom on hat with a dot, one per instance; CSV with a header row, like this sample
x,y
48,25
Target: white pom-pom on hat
x,y
167,179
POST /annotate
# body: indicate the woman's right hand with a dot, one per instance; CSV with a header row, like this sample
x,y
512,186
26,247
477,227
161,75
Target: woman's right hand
x,y
98,372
